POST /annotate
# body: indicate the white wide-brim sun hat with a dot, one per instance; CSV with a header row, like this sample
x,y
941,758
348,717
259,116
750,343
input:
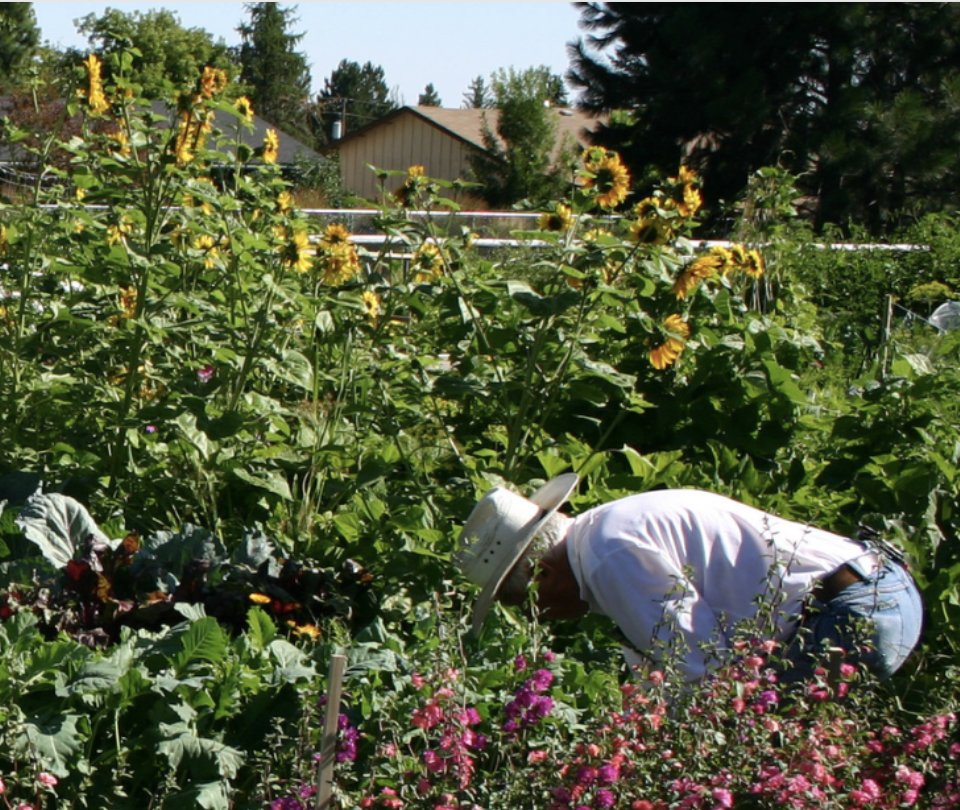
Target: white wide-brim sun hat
x,y
499,530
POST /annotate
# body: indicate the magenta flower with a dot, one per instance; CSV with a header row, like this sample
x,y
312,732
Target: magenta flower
x,y
604,798
205,374
541,680
608,773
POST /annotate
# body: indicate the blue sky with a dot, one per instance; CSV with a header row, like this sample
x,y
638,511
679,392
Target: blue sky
x,y
446,43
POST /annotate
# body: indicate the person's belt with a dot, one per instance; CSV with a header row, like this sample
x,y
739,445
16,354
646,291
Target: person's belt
x,y
830,586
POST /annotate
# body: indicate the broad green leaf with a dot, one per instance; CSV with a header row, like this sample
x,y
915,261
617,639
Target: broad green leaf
x,y
183,745
187,423
58,525
296,369
52,741
293,664
204,640
261,629
348,524
269,480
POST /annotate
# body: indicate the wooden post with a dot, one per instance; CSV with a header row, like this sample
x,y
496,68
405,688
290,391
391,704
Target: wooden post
x,y
328,744
887,328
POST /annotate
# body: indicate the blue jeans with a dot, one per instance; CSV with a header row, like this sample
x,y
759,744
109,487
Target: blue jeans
x,y
875,621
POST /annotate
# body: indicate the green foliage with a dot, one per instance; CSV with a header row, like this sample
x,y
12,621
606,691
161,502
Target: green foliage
x,y
429,97
19,38
858,99
478,94
353,95
163,54
522,161
277,75
161,719
180,346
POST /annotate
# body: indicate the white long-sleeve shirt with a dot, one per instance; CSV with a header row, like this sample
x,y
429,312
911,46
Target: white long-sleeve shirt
x,y
688,565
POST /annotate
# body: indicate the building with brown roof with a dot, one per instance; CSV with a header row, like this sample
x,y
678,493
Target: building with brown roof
x,y
439,139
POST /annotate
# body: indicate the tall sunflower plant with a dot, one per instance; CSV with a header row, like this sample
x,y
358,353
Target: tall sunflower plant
x,y
171,294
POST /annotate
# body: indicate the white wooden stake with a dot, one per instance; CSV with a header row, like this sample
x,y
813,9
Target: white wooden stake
x,y
328,744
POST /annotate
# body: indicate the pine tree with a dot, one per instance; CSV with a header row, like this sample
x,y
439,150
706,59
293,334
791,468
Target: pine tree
x,y
353,95
276,74
478,94
859,100
19,37
429,97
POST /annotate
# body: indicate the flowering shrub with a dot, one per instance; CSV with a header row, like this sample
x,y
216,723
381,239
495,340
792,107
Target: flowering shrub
x,y
501,736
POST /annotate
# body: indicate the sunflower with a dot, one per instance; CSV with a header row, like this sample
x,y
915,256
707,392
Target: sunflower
x,y
340,264
284,202
711,264
560,219
753,265
212,82
408,194
271,146
665,354
335,234
128,302
296,252
687,175
310,631
607,175
692,201
115,233
208,245
337,254
95,97
121,142
427,262
245,108
371,305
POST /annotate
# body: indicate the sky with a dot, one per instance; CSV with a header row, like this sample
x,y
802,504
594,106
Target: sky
x,y
447,44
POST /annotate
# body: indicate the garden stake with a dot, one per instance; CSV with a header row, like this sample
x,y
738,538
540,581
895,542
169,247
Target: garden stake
x,y
328,744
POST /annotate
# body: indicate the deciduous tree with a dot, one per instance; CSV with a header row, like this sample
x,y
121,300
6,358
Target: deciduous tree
x,y
170,56
521,161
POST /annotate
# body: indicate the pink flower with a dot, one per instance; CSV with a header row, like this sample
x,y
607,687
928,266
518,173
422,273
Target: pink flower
x,y
723,797
427,717
206,373
535,757
3,787
47,779
912,779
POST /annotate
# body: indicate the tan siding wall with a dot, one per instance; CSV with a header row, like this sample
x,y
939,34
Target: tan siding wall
x,y
405,141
